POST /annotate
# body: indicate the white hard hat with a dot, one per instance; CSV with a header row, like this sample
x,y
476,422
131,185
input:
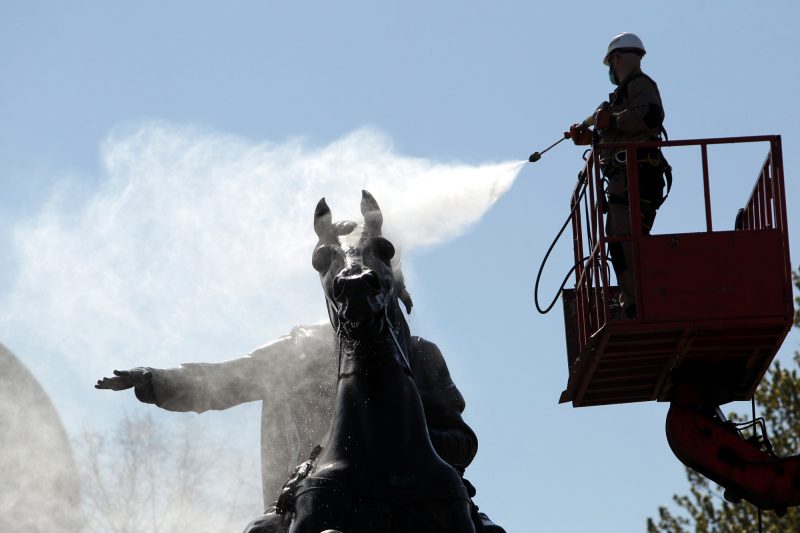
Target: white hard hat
x,y
624,41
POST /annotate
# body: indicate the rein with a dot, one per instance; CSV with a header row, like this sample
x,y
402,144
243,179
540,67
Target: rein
x,y
403,356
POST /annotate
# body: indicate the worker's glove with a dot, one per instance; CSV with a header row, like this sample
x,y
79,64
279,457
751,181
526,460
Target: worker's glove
x,y
125,379
580,134
603,119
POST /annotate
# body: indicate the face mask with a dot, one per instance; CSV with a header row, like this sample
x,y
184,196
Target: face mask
x,y
611,76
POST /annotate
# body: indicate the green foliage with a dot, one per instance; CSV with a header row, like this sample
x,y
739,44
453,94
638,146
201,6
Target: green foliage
x,y
796,278
704,510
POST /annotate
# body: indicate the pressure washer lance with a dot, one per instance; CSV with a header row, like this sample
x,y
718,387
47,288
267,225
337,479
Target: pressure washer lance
x,y
535,156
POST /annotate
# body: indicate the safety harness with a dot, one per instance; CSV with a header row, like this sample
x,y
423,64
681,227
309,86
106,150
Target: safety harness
x,y
651,158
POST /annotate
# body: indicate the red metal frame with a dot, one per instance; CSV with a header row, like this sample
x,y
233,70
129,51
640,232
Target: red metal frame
x,y
739,324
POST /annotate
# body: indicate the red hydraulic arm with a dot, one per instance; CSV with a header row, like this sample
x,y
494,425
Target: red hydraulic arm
x,y
747,468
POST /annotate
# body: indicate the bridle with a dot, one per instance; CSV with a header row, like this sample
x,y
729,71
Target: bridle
x,y
333,313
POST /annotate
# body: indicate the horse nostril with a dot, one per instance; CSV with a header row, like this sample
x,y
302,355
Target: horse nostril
x,y
371,280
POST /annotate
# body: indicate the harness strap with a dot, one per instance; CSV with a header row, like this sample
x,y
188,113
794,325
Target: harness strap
x,y
667,168
668,179
618,161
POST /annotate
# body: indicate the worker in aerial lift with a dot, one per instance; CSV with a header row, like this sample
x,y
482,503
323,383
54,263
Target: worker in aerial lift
x,y
633,112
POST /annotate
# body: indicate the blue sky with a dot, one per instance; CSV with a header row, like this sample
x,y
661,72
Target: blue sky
x,y
121,120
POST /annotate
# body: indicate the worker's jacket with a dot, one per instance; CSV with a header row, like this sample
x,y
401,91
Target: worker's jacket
x,y
637,112
295,378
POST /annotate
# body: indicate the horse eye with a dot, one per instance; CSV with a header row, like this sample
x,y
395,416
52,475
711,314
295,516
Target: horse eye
x,y
383,249
321,259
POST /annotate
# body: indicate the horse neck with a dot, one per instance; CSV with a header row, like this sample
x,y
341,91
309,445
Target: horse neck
x,y
377,402
392,339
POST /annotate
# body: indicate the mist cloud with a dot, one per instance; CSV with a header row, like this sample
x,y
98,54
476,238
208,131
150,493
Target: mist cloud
x,y
197,240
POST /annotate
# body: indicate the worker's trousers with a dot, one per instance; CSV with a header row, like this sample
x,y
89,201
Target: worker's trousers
x,y
618,224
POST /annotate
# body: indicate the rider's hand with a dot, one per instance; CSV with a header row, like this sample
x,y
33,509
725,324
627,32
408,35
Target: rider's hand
x,y
125,379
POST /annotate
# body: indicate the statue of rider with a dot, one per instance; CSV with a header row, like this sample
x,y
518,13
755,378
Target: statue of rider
x,y
295,379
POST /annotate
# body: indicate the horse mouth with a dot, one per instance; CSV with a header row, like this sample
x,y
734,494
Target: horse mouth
x,y
359,295
361,310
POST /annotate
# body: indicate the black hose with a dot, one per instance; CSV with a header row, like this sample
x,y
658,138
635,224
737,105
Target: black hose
x,y
547,255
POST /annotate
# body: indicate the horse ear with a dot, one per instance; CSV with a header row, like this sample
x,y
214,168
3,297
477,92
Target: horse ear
x,y
322,219
373,218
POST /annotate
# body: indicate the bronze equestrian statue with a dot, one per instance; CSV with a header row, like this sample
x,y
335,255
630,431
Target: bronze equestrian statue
x,y
371,344
378,470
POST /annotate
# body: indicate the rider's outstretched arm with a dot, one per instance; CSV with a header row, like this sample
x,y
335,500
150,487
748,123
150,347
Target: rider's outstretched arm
x,y
201,387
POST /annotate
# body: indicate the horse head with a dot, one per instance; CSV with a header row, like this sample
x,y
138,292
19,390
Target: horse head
x,y
354,262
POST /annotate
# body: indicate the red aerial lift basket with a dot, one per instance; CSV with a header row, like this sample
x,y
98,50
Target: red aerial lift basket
x,y
713,307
